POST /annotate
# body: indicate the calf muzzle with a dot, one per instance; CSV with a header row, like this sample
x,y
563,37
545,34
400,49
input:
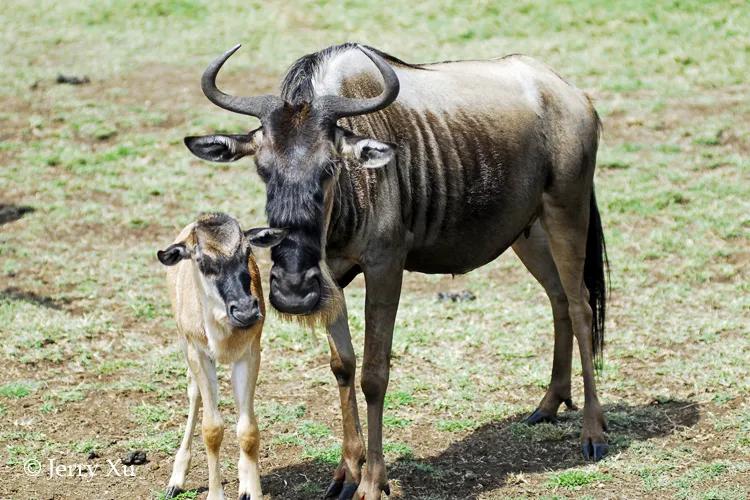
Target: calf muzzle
x,y
243,313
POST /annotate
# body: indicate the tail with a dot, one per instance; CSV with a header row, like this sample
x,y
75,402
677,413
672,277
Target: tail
x,y
596,278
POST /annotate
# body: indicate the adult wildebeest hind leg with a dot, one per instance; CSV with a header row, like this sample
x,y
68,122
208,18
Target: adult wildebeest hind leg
x,y
533,250
571,220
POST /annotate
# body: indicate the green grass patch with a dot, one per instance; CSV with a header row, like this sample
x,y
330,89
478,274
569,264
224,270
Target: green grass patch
x,y
327,454
146,413
398,450
398,399
185,495
15,390
86,446
313,430
165,442
539,432
395,422
457,425
576,478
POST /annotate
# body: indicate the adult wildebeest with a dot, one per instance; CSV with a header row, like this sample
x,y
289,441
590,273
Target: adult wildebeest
x,y
478,156
215,289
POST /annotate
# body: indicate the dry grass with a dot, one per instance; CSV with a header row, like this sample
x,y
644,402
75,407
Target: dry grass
x,y
89,361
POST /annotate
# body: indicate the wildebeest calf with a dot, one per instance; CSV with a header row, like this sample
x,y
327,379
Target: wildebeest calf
x,y
215,289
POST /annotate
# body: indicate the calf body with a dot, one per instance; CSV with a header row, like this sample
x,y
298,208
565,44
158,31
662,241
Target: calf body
x,y
215,289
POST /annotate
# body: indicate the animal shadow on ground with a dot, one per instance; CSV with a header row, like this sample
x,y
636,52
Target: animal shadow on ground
x,y
11,213
484,459
13,294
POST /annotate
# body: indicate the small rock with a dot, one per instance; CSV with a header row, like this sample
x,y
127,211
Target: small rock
x,y
72,80
93,455
137,457
464,296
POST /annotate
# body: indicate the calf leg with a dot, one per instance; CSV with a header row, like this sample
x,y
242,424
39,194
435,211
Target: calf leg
x,y
383,288
244,378
204,370
567,227
181,465
344,365
534,252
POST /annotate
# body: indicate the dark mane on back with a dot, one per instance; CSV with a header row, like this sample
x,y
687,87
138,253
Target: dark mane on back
x,y
296,87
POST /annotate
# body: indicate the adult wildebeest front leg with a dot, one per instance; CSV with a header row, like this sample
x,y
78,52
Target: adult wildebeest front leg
x,y
383,289
244,378
533,250
344,365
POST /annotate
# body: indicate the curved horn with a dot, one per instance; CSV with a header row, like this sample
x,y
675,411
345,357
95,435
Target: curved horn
x,y
258,106
340,107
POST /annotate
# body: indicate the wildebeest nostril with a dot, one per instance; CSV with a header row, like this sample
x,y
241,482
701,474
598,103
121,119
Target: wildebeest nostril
x,y
312,273
276,272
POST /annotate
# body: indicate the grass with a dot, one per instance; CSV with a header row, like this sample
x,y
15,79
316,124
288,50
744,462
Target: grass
x,y
328,454
146,413
15,390
89,354
576,478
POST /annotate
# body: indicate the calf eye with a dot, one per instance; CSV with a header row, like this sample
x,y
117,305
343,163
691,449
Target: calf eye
x,y
208,267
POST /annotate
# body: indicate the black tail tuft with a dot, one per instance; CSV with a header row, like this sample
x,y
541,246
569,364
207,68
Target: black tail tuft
x,y
596,277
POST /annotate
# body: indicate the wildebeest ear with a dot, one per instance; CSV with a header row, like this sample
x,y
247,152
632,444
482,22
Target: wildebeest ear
x,y
265,236
371,153
224,148
173,254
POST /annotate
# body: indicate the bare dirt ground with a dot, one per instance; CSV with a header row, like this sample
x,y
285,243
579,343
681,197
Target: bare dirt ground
x,y
89,362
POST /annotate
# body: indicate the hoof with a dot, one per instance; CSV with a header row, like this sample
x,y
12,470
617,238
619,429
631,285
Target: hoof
x,y
348,491
539,416
246,496
594,451
172,491
570,405
387,489
334,488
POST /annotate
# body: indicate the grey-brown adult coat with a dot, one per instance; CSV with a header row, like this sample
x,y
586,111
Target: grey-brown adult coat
x,y
377,166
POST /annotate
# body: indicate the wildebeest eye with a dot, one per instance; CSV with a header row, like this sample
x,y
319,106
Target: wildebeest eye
x,y
328,170
245,280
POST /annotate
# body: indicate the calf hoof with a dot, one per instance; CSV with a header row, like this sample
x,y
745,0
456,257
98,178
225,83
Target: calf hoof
x,y
594,451
172,492
334,488
540,416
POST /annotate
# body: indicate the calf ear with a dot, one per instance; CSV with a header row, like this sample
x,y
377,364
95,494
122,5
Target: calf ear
x,y
265,236
371,153
224,148
173,254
